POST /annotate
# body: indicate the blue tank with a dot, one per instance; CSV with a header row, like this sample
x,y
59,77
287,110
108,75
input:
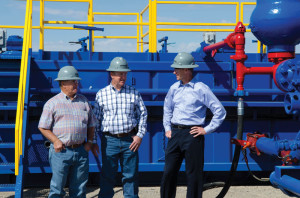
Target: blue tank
x,y
276,24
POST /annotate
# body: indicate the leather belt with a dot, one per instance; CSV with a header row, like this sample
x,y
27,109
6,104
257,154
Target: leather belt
x,y
184,126
74,146
120,135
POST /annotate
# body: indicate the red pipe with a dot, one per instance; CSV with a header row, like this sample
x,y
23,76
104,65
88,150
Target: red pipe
x,y
215,46
236,40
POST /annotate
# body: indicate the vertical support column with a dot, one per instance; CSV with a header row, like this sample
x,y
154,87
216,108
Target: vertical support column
x,y
150,26
258,46
30,29
237,12
42,15
142,38
154,36
91,19
137,33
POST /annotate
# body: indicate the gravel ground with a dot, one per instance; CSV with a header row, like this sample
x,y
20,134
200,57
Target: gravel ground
x,y
153,192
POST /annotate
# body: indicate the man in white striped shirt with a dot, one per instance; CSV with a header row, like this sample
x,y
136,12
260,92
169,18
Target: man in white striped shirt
x,y
122,118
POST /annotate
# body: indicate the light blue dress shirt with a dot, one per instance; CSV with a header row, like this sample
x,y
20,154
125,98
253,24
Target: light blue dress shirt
x,y
187,104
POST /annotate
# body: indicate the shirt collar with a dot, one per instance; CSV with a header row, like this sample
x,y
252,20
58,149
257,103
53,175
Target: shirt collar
x,y
67,97
113,88
191,83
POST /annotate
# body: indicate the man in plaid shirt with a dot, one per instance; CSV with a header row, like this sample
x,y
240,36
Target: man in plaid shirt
x,y
68,122
122,119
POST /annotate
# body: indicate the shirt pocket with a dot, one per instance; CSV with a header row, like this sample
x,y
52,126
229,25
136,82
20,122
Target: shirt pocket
x,y
81,116
129,106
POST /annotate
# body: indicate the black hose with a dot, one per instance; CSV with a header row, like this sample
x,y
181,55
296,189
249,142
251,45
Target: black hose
x,y
211,185
236,157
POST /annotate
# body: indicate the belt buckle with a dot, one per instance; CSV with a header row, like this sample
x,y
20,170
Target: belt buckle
x,y
118,135
180,127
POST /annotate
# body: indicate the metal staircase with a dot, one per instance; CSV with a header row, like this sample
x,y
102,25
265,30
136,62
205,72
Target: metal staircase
x,y
9,147
8,106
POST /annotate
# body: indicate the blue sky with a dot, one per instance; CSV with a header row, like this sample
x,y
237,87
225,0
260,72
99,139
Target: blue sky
x,y
13,12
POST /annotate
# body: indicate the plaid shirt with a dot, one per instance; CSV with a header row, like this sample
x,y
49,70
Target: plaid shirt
x,y
120,111
68,119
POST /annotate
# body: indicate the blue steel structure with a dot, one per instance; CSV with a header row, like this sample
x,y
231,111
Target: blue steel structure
x,y
266,105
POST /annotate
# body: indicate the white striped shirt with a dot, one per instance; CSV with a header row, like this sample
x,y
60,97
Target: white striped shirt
x,y
120,111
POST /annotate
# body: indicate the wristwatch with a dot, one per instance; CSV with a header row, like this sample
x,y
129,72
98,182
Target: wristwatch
x,y
90,141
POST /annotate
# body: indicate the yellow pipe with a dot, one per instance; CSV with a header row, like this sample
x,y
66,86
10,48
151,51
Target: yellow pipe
x,y
117,37
242,12
137,33
145,9
242,9
142,38
258,46
192,2
45,27
12,26
146,34
29,40
91,19
20,92
42,6
264,49
196,30
154,38
94,23
69,0
150,27
19,95
196,24
237,12
114,13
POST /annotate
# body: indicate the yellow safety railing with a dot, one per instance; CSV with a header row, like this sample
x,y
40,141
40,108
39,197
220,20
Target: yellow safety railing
x,y
122,37
43,22
153,20
152,24
27,42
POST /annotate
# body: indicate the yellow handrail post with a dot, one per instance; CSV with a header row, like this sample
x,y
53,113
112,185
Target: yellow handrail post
x,y
137,33
20,106
258,46
154,33
42,15
242,12
150,26
237,10
91,19
142,38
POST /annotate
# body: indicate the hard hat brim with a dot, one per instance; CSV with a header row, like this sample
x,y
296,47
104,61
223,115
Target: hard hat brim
x,y
61,79
184,66
119,70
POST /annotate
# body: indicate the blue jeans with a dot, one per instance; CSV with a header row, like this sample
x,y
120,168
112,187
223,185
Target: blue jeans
x,y
72,163
114,149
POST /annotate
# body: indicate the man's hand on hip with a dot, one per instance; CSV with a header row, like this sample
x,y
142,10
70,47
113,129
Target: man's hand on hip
x,y
196,131
134,146
58,146
168,134
88,146
95,150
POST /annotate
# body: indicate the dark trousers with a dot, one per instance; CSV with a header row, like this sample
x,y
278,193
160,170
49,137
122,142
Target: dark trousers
x,y
182,145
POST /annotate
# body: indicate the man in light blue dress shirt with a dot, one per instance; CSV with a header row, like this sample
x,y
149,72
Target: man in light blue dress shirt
x,y
184,116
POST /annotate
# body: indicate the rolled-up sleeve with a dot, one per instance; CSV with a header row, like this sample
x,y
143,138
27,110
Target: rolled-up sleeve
x,y
46,120
142,111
